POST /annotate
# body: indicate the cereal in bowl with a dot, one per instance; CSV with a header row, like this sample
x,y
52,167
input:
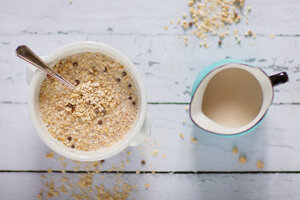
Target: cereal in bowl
x,y
99,112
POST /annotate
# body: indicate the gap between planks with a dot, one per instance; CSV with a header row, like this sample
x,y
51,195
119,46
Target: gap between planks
x,y
157,103
73,32
150,172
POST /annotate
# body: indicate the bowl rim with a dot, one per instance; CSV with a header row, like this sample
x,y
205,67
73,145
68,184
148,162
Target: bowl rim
x,y
59,147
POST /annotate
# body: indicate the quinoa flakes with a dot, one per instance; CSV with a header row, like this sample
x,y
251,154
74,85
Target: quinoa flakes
x,y
99,112
212,17
235,150
260,164
243,159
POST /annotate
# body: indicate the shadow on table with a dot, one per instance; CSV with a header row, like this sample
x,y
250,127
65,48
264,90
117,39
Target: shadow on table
x,y
214,153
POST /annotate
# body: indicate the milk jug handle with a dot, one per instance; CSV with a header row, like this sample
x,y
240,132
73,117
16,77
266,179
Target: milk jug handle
x,y
279,78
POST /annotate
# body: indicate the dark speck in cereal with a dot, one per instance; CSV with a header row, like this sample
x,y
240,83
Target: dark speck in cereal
x,y
97,110
69,105
77,82
75,64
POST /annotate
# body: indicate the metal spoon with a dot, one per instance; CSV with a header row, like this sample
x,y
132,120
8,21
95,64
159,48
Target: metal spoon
x,y
26,54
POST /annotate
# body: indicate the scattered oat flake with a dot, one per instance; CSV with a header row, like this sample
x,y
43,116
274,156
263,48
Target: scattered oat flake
x,y
49,170
154,153
43,176
250,33
147,185
221,35
260,164
95,164
235,150
272,35
181,136
39,196
186,108
164,156
76,169
254,35
119,181
52,192
242,159
153,172
183,121
193,140
64,179
63,189
236,32
205,45
137,172
186,40
166,28
50,155
61,158
212,17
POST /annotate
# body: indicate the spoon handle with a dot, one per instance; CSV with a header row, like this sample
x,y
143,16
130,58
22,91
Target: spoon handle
x,y
26,54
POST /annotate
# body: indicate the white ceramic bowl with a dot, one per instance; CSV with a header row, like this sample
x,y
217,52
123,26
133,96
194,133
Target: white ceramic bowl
x,y
140,129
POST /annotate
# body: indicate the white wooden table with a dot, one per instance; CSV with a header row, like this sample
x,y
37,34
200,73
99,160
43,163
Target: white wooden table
x,y
183,170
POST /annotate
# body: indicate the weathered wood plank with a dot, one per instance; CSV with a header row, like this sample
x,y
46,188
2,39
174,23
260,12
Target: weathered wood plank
x,y
164,186
275,142
167,66
132,17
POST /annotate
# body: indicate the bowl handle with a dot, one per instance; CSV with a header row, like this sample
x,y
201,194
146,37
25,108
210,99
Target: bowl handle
x,y
143,134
